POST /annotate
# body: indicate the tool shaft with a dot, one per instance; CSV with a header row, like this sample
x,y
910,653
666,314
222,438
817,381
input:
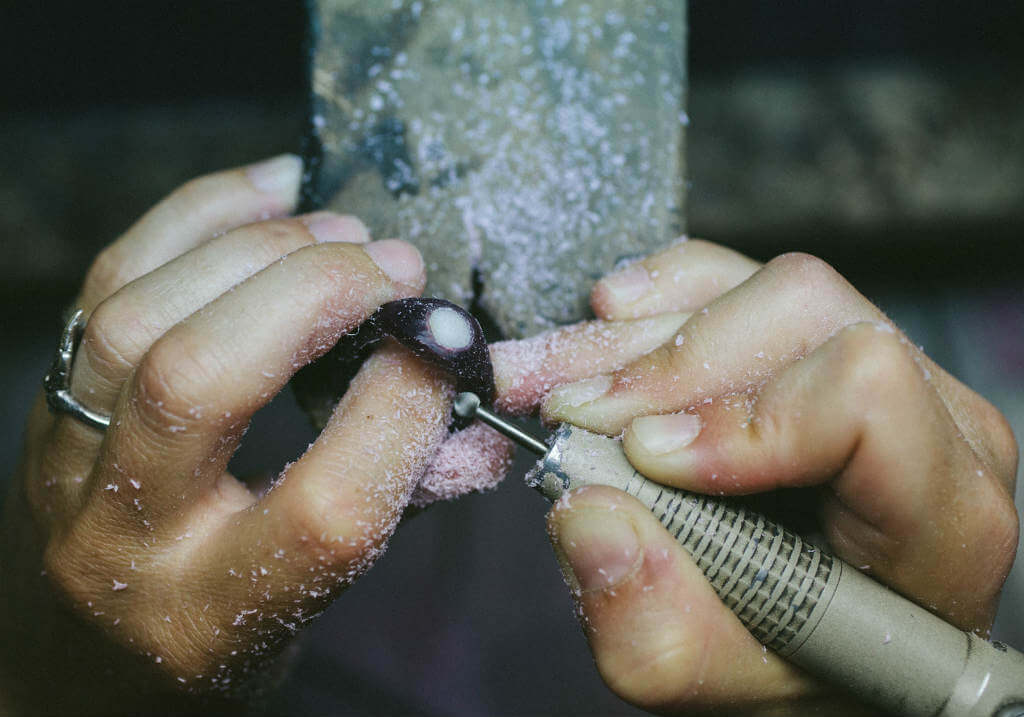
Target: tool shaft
x,y
504,427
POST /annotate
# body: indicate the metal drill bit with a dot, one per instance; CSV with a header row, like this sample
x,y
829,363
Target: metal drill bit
x,y
467,405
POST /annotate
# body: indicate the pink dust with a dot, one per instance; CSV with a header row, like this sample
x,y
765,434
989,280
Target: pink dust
x,y
474,459
526,371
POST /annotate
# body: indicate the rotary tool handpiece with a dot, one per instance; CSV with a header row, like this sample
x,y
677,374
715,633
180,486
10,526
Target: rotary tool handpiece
x,y
802,602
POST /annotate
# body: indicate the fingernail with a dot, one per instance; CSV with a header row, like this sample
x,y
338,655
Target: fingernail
x,y
277,175
331,227
601,547
580,392
398,259
663,434
628,285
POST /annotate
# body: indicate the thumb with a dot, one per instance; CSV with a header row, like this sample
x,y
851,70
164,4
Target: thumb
x,y
660,635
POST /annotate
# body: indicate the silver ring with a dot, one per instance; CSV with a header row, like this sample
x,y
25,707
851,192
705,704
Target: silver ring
x,y
58,380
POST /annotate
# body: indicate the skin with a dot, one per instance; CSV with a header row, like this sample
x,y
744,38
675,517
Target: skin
x,y
783,377
138,574
144,576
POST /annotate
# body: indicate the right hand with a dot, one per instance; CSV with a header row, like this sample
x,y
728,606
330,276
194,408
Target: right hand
x,y
784,376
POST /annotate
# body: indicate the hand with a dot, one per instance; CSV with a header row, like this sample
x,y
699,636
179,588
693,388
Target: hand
x,y
784,377
135,569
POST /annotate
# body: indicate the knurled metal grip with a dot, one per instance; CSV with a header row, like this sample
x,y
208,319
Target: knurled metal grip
x,y
765,574
801,601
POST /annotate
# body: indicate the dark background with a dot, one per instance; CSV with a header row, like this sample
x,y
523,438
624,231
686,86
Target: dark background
x,y
63,56
105,107
82,74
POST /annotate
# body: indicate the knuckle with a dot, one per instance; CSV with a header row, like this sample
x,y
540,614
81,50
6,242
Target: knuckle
x,y
334,535
107,273
171,378
670,360
112,339
812,280
1002,527
276,238
875,360
804,265
1001,443
63,561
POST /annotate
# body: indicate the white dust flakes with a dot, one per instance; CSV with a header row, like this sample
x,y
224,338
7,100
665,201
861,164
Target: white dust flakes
x,y
118,585
593,157
527,370
241,616
888,638
564,502
111,486
135,484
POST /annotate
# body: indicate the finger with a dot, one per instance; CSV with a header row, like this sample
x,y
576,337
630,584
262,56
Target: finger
x,y
784,311
524,371
907,500
660,635
331,512
190,398
123,328
195,212
772,319
683,277
237,573
476,458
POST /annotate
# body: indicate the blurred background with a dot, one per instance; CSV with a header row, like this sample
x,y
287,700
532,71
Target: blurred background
x,y
886,137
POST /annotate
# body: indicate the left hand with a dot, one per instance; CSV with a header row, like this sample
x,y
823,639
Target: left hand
x,y
137,575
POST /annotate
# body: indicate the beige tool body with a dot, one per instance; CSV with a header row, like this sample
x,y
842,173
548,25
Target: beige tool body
x,y
804,603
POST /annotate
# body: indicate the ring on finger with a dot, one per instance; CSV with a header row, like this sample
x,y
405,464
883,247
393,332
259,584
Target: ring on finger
x,y
57,382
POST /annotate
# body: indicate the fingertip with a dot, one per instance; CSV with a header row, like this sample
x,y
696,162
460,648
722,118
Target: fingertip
x,y
565,402
617,295
659,446
278,176
474,459
597,545
666,434
400,261
593,404
659,632
331,227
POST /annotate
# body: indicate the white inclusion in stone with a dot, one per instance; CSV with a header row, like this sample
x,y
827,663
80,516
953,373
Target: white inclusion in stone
x,y
450,328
